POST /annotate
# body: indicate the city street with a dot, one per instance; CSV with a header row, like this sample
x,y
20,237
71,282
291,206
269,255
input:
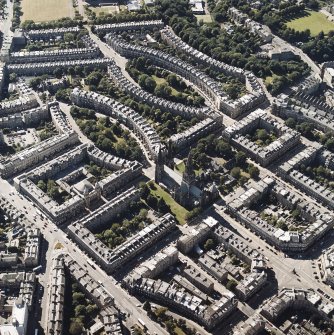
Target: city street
x,y
53,235
283,267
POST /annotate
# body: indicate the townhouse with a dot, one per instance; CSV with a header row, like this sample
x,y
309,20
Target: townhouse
x,y
319,218
36,69
128,26
111,260
183,301
123,114
238,135
139,94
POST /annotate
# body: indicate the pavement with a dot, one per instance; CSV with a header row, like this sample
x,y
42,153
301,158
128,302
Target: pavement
x,y
66,109
6,24
283,266
297,272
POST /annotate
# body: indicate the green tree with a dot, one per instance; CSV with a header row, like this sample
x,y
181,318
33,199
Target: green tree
x,y
13,77
91,309
52,189
69,38
236,172
161,312
254,171
142,80
78,298
144,189
41,184
330,144
240,158
150,84
223,148
76,327
231,285
262,134
290,122
163,91
80,310
147,306
152,201
209,244
172,80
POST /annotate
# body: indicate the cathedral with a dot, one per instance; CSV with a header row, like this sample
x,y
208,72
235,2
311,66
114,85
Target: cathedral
x,y
183,187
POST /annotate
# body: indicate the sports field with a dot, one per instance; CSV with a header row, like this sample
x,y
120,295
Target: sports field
x,y
46,10
205,17
105,9
315,21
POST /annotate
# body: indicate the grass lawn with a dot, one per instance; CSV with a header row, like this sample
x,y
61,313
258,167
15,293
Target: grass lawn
x,y
245,174
179,331
58,245
179,211
180,167
206,18
268,80
159,81
46,10
198,172
315,21
105,10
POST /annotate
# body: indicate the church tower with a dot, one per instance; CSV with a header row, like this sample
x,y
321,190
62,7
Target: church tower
x,y
159,166
188,179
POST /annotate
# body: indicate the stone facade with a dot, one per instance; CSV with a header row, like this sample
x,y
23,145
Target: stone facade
x,y
8,259
158,263
209,87
250,285
197,235
56,297
95,291
26,183
32,250
262,31
139,94
111,260
182,301
90,52
235,108
24,281
2,76
202,282
290,171
237,135
319,218
180,141
298,299
47,34
321,114
327,262
36,69
18,105
128,26
36,154
26,118
123,114
213,268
